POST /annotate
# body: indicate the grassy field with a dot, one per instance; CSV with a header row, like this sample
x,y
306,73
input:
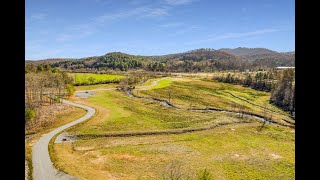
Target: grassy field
x,y
237,150
84,78
233,152
157,83
120,113
209,93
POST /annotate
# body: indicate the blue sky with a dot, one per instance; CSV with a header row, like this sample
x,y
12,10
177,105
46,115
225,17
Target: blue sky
x,y
82,28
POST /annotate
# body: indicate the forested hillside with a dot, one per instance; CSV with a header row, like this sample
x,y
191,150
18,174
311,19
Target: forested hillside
x,y
199,60
263,57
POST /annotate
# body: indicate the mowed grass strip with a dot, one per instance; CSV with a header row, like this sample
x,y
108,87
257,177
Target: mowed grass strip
x,y
91,78
232,152
158,83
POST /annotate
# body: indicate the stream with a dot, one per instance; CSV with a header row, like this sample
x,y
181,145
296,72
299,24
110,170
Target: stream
x,y
244,114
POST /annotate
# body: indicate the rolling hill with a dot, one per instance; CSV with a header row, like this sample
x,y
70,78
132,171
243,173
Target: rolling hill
x,y
199,60
263,57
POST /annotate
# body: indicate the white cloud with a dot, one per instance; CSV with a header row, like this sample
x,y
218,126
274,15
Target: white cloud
x,y
244,34
236,35
38,16
137,12
178,2
76,34
89,28
35,18
104,2
157,12
173,24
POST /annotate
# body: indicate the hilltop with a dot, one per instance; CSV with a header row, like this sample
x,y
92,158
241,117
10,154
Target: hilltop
x,y
199,60
263,56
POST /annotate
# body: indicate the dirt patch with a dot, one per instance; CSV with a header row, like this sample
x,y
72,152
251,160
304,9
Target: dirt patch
x,y
275,156
65,137
239,156
84,94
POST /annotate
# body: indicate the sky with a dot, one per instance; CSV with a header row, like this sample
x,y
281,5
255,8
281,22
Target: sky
x,y
83,28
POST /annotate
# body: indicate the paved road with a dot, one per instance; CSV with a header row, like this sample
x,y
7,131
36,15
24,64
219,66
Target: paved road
x,y
42,166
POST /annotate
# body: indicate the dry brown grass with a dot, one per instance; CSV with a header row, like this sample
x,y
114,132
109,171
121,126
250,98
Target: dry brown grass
x,y
230,152
84,164
53,118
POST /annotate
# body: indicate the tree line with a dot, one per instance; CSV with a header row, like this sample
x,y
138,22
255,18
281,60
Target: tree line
x,y
201,60
281,84
262,81
44,85
283,95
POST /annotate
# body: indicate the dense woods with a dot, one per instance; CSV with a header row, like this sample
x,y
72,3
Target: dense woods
x,y
283,95
199,60
263,81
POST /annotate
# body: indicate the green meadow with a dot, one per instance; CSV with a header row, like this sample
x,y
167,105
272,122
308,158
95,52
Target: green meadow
x,y
90,78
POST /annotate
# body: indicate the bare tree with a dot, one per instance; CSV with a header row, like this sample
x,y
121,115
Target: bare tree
x,y
174,171
265,118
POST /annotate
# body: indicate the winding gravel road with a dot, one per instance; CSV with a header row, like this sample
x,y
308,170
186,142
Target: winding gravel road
x,y
42,166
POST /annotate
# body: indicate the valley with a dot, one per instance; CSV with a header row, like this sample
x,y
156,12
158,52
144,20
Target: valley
x,y
133,138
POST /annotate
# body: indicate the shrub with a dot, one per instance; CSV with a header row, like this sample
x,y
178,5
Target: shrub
x,y
204,175
70,89
29,114
175,171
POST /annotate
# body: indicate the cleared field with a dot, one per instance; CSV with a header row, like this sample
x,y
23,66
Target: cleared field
x,y
204,93
232,152
120,113
90,78
157,83
240,149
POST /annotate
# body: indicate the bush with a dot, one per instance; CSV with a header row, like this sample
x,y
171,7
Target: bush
x,y
70,89
204,175
29,114
174,171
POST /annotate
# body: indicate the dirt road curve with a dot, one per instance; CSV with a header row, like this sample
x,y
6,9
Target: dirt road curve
x,y
42,165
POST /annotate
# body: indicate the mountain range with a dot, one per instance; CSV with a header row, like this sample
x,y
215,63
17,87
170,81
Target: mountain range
x,y
204,59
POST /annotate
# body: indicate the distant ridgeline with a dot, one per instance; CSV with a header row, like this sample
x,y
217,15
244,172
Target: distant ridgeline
x,y
199,60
